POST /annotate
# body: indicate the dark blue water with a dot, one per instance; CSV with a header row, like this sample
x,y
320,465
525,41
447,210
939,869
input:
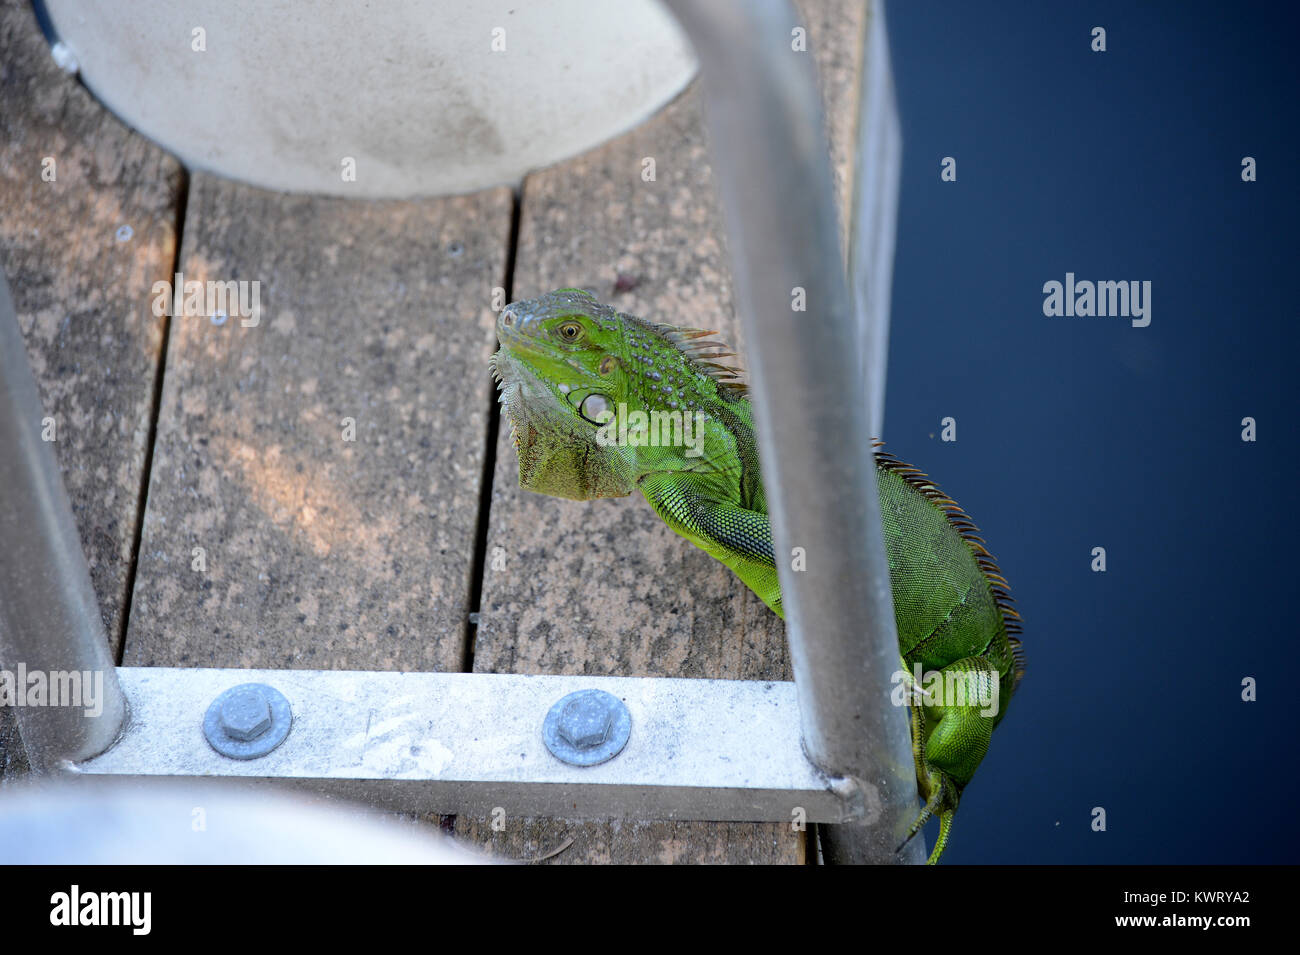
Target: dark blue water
x,y
1075,433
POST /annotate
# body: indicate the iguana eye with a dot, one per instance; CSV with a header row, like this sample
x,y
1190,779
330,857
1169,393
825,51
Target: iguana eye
x,y
595,408
570,331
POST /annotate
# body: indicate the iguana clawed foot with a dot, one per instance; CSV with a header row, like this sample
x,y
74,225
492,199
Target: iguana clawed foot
x,y
942,800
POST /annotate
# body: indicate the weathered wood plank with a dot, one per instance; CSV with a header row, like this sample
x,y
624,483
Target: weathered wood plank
x,y
604,587
319,551
88,225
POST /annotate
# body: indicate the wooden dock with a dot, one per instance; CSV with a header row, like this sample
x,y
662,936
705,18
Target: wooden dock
x,y
230,514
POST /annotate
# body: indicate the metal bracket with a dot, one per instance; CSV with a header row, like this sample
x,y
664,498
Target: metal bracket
x,y
469,743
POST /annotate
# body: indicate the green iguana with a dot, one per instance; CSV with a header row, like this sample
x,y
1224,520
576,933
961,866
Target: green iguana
x,y
601,404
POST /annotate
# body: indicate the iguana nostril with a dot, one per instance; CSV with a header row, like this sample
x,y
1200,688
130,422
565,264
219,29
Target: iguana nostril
x,y
507,318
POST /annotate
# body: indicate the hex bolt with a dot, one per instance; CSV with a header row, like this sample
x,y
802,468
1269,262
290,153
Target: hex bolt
x,y
245,714
586,720
587,727
248,721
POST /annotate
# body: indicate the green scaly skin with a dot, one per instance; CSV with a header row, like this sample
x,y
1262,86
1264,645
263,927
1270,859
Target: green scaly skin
x,y
566,362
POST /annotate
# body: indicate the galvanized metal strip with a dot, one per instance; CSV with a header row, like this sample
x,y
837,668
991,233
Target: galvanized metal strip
x,y
469,743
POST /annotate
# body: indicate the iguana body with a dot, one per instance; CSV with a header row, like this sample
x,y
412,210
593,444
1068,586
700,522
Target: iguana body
x,y
576,375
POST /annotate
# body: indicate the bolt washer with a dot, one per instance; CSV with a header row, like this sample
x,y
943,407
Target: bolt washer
x,y
220,739
600,716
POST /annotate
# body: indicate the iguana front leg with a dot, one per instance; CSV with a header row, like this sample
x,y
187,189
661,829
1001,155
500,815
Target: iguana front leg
x,y
692,505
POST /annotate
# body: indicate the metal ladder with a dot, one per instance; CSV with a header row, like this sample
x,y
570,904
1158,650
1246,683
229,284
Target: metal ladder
x,y
828,748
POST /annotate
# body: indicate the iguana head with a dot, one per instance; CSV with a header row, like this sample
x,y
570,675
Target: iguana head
x,y
572,374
